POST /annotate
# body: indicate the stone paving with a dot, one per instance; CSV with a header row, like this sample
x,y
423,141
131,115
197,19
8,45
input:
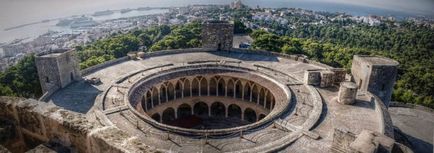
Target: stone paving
x,y
405,119
306,126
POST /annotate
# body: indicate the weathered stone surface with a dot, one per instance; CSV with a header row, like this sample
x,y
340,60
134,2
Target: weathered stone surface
x,y
327,78
41,149
57,69
370,142
376,75
3,149
341,141
339,74
347,93
312,77
111,139
217,35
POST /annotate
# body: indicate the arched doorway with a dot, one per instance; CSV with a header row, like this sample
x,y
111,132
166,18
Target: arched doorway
x,y
218,109
156,117
221,87
187,88
230,88
250,115
168,115
247,91
261,97
200,109
149,99
163,94
261,117
170,92
213,87
255,93
268,101
155,95
234,111
203,87
239,90
184,110
195,87
178,90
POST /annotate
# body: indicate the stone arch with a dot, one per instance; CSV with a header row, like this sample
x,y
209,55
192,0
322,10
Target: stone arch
x,y
255,93
168,115
250,115
247,91
178,89
262,97
238,89
203,87
156,117
170,92
213,87
184,110
187,88
195,87
155,97
221,87
261,116
230,88
201,109
149,99
163,94
268,100
218,109
234,111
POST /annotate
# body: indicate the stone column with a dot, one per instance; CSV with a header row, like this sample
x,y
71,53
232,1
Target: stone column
x,y
242,114
347,92
152,100
146,103
226,112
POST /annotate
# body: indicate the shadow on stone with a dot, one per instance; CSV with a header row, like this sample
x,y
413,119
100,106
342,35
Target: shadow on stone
x,y
250,57
416,144
364,104
78,97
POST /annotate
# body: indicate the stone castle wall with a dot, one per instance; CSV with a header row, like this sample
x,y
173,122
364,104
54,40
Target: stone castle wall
x,y
48,75
57,70
375,75
38,122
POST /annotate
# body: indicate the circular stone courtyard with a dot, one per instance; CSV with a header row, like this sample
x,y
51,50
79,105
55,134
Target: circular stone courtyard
x,y
203,100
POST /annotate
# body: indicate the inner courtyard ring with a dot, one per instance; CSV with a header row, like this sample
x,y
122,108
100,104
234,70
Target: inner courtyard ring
x,y
281,95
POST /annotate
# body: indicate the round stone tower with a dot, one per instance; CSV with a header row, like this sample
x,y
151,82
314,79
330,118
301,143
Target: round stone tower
x,y
347,93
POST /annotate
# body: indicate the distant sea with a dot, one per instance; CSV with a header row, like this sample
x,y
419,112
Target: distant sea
x,y
36,11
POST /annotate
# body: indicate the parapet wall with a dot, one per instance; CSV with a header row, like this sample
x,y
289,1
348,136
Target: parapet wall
x,y
103,65
385,120
38,122
300,58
